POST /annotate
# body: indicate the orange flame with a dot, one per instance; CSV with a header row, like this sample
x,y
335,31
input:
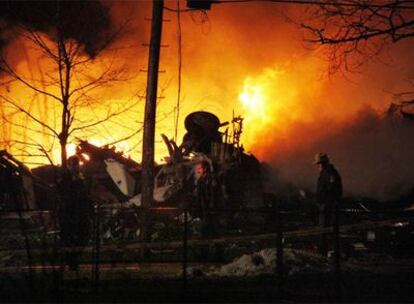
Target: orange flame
x,y
274,100
275,86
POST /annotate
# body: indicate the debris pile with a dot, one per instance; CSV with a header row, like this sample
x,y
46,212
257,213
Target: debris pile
x,y
264,262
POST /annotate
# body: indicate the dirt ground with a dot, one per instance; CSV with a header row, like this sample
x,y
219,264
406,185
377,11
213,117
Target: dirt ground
x,y
361,281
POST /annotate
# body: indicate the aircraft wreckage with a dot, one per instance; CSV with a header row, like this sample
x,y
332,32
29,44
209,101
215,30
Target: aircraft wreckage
x,y
239,172
117,179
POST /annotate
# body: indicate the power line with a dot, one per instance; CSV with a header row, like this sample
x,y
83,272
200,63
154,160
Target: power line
x,y
389,5
180,10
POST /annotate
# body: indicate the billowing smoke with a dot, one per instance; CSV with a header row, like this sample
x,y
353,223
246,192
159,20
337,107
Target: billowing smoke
x,y
373,153
248,48
87,22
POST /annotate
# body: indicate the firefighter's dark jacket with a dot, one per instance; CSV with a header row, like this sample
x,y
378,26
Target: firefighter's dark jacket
x,y
329,188
208,194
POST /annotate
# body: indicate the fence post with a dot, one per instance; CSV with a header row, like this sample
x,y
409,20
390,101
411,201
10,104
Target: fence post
x,y
56,258
279,249
97,248
16,194
185,248
337,255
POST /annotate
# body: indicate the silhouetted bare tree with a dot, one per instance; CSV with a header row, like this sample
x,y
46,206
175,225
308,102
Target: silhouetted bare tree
x,y
70,38
355,31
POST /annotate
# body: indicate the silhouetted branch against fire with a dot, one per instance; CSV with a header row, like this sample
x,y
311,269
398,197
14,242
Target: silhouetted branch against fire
x,y
7,120
129,136
106,118
356,33
29,149
27,113
15,76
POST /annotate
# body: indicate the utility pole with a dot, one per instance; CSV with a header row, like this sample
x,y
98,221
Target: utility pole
x,y
150,109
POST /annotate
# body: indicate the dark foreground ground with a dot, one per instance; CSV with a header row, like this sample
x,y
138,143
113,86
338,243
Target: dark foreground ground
x,y
372,283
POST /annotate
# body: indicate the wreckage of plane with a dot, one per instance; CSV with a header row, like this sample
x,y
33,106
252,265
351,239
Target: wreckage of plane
x,y
239,172
116,180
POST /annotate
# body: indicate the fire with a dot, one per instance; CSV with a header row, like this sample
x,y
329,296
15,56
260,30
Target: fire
x,y
273,101
253,100
259,104
70,149
272,88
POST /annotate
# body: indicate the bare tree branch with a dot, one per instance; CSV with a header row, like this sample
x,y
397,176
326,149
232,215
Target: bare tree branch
x,y
355,31
36,38
107,118
37,146
126,137
13,123
7,69
43,124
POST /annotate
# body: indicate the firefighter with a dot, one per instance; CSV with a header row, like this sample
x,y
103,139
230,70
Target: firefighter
x,y
207,198
328,195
